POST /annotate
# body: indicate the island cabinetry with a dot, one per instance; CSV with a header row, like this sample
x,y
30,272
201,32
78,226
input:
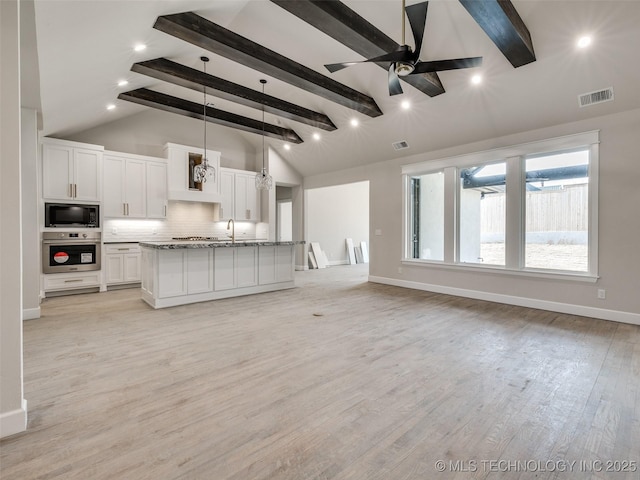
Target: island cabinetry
x,y
236,267
185,272
71,171
189,272
275,264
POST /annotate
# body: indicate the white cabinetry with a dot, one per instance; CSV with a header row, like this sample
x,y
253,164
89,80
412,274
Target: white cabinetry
x,y
181,160
70,281
185,272
71,171
275,264
134,186
122,263
240,199
236,267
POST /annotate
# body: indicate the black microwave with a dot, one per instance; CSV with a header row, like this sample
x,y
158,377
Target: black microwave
x,y
71,215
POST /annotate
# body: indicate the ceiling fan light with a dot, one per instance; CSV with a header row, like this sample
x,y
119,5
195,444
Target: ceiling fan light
x,y
403,69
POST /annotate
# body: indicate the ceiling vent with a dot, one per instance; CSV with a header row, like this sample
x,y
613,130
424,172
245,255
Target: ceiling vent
x,y
400,145
593,98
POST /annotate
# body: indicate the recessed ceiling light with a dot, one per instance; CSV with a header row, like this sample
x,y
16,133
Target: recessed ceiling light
x,y
287,146
316,136
111,106
354,122
139,47
476,79
406,105
584,41
122,83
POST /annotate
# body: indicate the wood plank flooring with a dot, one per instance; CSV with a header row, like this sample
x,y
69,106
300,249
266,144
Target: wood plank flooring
x,y
336,379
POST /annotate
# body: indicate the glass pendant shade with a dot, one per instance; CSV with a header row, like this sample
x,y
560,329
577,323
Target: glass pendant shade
x,y
204,171
264,181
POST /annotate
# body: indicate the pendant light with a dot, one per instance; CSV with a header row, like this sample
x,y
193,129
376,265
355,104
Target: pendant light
x,y
204,171
264,181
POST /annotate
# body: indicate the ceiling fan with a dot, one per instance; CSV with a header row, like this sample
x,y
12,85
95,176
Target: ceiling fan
x,y
405,61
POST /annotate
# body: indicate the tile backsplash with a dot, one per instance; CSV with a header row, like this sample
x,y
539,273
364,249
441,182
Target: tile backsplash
x,y
183,219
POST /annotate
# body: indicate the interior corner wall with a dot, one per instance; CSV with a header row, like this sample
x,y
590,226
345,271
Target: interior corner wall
x,y
336,213
145,133
13,413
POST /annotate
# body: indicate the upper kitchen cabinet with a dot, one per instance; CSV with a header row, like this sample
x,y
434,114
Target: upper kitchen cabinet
x,y
135,186
181,163
71,171
240,200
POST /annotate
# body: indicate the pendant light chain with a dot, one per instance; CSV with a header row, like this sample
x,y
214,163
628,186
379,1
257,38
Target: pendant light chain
x,y
203,171
264,181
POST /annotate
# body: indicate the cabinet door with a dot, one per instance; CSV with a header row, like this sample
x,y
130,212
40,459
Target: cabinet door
x,y
284,263
246,266
227,190
57,172
156,190
266,265
200,270
113,204
225,272
246,198
87,165
131,267
172,281
135,183
114,269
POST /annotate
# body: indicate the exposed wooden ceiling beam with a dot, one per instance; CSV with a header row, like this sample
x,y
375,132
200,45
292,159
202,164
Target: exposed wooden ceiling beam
x,y
205,34
172,72
344,25
168,103
501,22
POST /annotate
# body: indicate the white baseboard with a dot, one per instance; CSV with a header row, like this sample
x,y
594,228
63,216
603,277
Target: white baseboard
x,y
301,268
14,421
333,263
602,313
30,313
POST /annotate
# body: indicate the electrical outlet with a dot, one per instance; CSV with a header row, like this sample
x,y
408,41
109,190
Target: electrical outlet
x,y
154,231
378,232
399,269
602,293
114,231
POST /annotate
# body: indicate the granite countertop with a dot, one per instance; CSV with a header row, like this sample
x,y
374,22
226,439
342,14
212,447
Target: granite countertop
x,y
177,244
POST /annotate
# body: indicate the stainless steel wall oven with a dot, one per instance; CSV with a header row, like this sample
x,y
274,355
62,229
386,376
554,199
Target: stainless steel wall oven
x,y
70,251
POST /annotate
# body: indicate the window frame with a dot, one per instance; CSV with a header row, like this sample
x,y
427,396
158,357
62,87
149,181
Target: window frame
x,y
514,156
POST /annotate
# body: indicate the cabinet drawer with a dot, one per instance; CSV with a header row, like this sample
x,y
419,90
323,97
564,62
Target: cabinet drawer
x,y
112,248
64,281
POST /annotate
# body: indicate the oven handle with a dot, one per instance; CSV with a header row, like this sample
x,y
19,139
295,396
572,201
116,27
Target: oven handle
x,y
70,242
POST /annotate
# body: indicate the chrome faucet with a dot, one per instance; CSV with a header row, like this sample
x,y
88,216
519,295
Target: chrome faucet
x,y
231,225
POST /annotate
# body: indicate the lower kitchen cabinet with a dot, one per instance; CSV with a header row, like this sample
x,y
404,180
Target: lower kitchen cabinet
x,y
122,263
59,282
275,264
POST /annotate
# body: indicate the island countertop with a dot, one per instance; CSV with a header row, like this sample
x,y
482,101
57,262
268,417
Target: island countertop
x,y
179,244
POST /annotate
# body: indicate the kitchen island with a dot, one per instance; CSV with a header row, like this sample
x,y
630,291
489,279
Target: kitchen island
x,y
181,272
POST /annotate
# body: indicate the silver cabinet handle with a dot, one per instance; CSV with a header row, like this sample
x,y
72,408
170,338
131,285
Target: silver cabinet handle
x,y
248,214
70,190
165,210
124,209
124,249
74,280
75,190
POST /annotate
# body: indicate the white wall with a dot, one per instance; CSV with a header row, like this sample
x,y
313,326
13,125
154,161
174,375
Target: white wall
x,y
146,133
30,221
13,408
336,213
619,230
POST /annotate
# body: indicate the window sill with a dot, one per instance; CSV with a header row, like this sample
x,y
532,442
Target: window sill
x,y
499,270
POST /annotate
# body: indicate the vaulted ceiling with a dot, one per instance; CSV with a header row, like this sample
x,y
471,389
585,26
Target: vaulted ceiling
x,y
85,48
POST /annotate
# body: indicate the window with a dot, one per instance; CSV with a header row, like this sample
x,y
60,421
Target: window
x,y
482,214
557,211
427,216
530,208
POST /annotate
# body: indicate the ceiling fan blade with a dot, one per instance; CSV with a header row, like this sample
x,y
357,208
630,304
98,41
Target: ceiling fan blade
x,y
417,15
442,65
335,67
394,82
397,56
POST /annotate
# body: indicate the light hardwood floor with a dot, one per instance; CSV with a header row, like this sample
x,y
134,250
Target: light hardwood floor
x,y
336,379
